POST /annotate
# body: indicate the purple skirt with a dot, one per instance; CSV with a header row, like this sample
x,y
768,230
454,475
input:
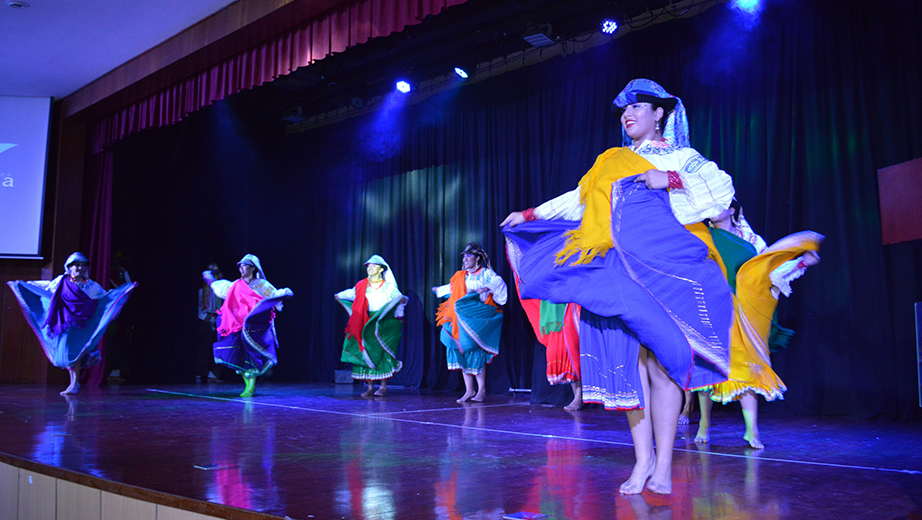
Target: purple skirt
x,y
252,350
656,287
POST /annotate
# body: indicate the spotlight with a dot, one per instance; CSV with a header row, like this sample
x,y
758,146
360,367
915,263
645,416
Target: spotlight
x,y
609,26
403,86
461,73
747,6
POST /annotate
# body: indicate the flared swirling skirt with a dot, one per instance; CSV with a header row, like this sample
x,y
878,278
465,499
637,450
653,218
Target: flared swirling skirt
x,y
252,350
556,326
480,329
750,364
76,344
381,341
655,287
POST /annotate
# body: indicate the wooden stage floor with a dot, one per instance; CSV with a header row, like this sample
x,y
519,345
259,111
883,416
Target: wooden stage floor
x,y
324,452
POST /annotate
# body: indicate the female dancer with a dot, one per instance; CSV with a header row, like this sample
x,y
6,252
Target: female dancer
x,y
640,277
375,308
471,320
70,314
246,321
758,275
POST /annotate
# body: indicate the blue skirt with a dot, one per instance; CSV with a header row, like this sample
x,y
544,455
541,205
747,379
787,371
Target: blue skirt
x,y
252,350
656,287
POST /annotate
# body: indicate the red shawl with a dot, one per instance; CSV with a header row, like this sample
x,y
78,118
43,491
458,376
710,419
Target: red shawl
x,y
359,313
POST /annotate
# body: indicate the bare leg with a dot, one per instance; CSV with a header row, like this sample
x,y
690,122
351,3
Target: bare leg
x,y
750,404
685,415
468,387
665,404
704,425
642,435
481,386
369,390
382,390
74,373
577,401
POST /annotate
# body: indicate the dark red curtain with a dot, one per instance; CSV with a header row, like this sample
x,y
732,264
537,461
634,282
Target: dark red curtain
x,y
97,220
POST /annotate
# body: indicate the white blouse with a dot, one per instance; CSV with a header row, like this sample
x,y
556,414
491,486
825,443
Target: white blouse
x,y
89,287
706,189
377,297
483,277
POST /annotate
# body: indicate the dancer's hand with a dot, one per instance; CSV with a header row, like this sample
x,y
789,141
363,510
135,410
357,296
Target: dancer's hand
x,y
514,219
811,258
654,179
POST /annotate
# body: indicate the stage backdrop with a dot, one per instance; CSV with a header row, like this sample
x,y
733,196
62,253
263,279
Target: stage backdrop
x,y
801,108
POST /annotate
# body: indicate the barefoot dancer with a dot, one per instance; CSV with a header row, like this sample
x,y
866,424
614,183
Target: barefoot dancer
x,y
375,308
70,314
246,321
471,320
758,275
618,246
556,326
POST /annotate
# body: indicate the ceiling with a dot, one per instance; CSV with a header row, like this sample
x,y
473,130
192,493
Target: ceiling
x,y
54,47
477,31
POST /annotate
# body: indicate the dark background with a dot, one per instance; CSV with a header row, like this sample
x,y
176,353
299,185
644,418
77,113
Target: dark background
x,y
801,108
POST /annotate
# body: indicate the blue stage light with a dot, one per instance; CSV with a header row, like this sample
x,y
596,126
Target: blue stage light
x,y
747,6
609,26
403,86
461,73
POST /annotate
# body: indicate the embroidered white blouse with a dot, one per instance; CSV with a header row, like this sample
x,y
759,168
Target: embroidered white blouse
x,y
706,189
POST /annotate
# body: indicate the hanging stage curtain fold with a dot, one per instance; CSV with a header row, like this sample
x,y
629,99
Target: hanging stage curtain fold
x,y
348,25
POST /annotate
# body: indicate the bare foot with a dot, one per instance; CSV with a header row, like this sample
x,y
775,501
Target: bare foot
x,y
369,391
382,391
661,484
575,404
248,392
479,397
754,441
639,476
702,437
683,420
72,389
466,396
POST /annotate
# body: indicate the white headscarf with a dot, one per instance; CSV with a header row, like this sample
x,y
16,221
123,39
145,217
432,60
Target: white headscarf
x,y
254,261
74,257
388,273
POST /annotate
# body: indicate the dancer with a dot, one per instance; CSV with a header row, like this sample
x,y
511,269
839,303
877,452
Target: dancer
x,y
247,341
208,306
69,314
618,246
375,308
471,320
556,326
758,275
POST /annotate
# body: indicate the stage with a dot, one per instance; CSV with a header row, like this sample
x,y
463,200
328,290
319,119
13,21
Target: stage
x,y
322,451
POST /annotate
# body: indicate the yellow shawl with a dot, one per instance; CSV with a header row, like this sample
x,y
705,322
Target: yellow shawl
x,y
593,237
